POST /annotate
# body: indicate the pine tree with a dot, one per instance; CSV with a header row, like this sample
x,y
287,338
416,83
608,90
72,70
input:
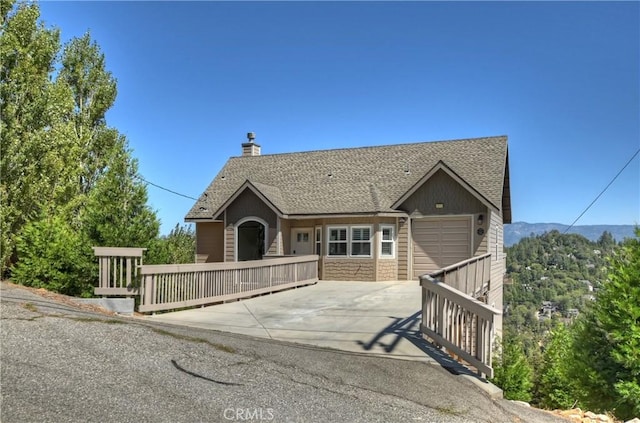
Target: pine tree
x,y
512,372
607,343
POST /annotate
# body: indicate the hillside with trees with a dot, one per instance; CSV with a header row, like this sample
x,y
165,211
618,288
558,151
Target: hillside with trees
x,y
69,180
572,323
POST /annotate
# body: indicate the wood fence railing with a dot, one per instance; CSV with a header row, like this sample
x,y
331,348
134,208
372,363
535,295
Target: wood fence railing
x,y
170,286
118,270
458,322
471,276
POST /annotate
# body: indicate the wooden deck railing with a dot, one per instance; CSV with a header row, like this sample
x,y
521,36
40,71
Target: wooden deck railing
x,y
170,286
118,270
471,276
457,321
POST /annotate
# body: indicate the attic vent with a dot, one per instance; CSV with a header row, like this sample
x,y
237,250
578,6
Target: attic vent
x,y
407,169
203,208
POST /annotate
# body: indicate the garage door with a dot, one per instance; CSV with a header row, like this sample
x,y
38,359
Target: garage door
x,y
438,243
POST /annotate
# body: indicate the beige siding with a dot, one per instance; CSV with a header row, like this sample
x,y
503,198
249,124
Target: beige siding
x,y
480,241
272,241
229,242
209,242
403,252
345,269
498,265
285,236
442,188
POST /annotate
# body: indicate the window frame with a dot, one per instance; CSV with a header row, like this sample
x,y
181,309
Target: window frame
x,y
349,241
392,241
369,241
345,241
318,241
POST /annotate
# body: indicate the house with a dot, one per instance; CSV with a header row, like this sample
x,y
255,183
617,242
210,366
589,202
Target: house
x,y
381,213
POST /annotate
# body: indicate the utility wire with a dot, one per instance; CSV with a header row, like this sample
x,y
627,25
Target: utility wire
x,y
603,191
166,189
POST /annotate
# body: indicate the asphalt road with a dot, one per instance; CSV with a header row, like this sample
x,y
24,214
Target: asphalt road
x,y
60,363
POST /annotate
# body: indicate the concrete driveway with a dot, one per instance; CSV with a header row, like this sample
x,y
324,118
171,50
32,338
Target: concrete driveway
x,y
379,318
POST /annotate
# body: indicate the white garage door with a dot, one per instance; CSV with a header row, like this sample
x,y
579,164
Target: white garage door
x,y
438,243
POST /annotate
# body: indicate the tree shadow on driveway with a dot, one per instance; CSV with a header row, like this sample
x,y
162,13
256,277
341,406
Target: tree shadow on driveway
x,y
409,328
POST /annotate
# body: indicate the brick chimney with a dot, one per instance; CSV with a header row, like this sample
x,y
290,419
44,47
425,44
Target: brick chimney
x,y
250,148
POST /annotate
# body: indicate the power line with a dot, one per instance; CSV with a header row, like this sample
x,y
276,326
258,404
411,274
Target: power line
x,y
166,189
603,191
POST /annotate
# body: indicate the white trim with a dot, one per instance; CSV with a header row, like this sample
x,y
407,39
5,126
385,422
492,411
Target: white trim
x,y
370,241
278,237
329,229
244,220
316,241
349,241
394,240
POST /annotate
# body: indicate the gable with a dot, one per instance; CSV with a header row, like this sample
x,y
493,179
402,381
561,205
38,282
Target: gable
x,y
247,203
441,188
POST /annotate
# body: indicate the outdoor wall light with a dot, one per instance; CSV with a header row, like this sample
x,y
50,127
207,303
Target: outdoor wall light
x,y
439,205
480,219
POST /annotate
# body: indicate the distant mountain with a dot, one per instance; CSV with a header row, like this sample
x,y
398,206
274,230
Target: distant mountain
x,y
517,230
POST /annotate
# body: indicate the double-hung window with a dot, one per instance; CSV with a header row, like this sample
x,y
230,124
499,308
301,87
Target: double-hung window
x,y
361,241
337,243
387,241
349,241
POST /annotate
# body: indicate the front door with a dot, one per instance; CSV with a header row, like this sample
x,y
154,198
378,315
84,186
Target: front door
x,y
250,238
301,241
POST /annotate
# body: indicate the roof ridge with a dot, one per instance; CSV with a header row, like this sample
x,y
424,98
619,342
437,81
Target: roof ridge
x,y
366,147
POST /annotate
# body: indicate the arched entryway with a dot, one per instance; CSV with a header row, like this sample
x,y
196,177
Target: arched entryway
x,y
250,237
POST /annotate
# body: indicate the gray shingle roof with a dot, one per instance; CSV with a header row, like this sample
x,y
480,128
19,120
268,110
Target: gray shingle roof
x,y
355,180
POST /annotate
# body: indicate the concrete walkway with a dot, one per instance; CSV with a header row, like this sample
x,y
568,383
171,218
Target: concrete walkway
x,y
380,318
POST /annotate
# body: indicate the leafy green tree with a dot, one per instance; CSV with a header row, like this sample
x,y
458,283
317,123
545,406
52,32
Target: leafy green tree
x,y
177,247
555,387
33,173
93,89
607,344
54,256
116,213
64,172
512,372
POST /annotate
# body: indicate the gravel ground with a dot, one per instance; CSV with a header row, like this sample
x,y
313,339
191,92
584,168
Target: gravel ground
x,y
64,363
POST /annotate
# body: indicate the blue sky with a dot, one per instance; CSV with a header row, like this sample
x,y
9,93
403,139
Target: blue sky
x,y
561,79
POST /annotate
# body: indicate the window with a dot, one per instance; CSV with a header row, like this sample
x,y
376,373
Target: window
x,y
319,240
348,241
337,244
387,241
361,241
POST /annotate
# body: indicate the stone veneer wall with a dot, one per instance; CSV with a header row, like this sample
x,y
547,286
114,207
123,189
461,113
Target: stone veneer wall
x,y
348,269
387,270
